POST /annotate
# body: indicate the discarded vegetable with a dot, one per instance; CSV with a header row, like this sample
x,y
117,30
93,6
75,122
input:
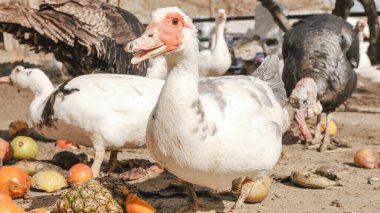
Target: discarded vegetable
x,y
259,191
367,158
48,180
332,127
5,198
134,204
66,144
311,180
32,167
14,181
10,208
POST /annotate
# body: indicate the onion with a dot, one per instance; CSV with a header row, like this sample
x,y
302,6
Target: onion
x,y
79,173
5,151
14,181
48,180
10,208
5,198
367,158
332,126
259,190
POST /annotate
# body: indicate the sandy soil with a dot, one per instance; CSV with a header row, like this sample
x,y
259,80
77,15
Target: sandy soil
x,y
355,194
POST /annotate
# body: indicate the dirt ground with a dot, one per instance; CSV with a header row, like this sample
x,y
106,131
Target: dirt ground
x,y
354,196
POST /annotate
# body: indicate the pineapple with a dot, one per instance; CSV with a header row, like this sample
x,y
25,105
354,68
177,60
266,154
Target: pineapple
x,y
103,194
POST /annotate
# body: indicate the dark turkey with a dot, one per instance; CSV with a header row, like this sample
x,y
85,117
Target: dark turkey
x,y
319,53
86,36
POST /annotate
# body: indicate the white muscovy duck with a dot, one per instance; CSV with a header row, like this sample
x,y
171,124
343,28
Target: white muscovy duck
x,y
157,68
360,27
104,111
217,60
368,75
210,131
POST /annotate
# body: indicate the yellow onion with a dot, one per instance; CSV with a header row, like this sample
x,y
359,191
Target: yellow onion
x,y
332,127
367,158
14,181
259,191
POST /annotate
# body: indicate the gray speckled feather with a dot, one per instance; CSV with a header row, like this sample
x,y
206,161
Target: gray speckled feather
x,y
268,72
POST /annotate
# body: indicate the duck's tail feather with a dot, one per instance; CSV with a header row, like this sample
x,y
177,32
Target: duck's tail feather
x,y
268,72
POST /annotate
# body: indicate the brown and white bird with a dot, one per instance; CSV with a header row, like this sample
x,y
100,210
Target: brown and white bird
x,y
320,53
84,35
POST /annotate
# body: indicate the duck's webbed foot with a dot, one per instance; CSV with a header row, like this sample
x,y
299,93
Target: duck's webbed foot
x,y
194,204
245,190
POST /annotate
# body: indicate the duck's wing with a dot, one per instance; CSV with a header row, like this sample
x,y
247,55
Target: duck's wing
x,y
101,95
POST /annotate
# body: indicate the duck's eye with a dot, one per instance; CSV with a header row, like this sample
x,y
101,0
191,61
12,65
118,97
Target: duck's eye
x,y
175,21
304,102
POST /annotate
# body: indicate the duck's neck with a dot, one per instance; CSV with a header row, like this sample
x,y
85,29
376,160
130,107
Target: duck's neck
x,y
220,42
181,85
361,36
41,90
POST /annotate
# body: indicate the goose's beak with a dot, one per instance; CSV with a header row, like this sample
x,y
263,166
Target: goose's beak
x,y
6,79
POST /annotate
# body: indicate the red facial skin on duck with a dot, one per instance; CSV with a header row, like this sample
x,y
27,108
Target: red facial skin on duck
x,y
170,30
159,38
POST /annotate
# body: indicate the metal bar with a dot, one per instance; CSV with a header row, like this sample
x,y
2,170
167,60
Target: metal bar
x,y
295,16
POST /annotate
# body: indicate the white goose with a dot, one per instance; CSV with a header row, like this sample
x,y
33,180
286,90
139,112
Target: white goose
x,y
217,60
104,111
213,130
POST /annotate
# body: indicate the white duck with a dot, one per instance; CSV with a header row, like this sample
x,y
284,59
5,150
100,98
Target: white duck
x,y
213,130
104,111
363,46
368,75
157,68
217,60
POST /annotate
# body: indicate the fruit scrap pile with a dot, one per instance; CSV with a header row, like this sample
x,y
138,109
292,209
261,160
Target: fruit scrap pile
x,y
85,193
104,194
